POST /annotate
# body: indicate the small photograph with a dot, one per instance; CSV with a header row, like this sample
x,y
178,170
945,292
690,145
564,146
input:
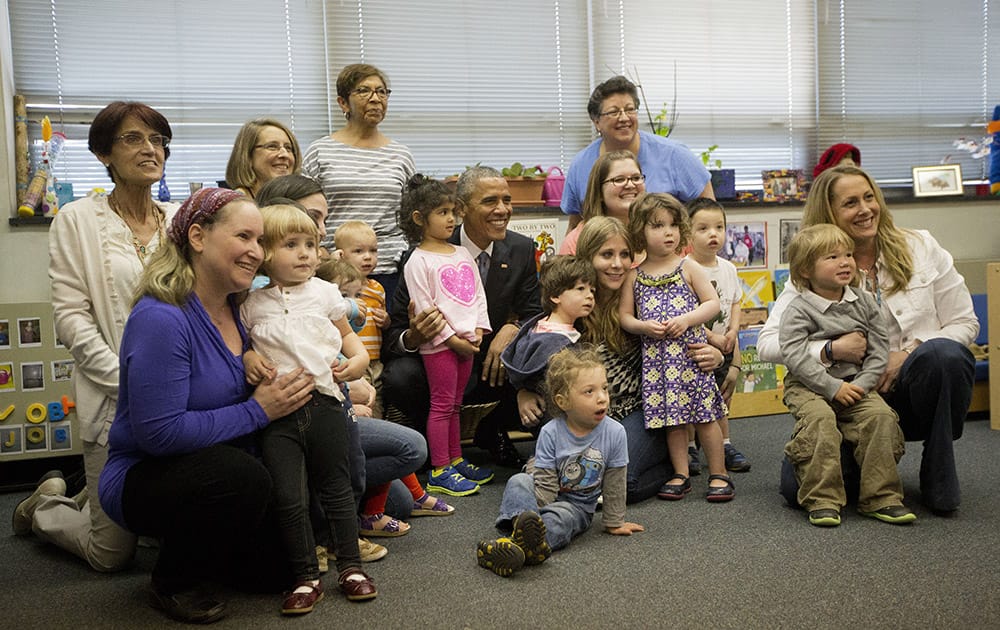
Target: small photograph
x,y
63,370
29,332
7,381
784,185
746,244
787,228
4,334
32,377
937,181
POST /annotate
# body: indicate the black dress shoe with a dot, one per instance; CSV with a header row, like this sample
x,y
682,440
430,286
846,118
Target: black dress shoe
x,y
505,453
190,606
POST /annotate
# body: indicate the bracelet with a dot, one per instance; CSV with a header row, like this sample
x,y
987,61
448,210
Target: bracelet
x,y
828,348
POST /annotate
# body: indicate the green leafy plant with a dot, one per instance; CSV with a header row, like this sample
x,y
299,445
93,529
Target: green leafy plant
x,y
707,160
663,123
520,170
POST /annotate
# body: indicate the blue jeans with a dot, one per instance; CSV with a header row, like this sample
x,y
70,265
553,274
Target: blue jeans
x,y
563,520
392,451
309,450
649,464
931,396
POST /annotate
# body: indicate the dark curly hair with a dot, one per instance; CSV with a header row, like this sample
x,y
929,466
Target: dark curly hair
x,y
614,85
422,195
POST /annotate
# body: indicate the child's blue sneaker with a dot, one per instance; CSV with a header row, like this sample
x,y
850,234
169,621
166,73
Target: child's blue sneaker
x,y
450,481
472,473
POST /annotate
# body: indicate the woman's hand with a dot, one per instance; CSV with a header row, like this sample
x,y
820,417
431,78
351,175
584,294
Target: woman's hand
x,y
707,356
850,348
530,407
888,378
282,396
625,529
362,392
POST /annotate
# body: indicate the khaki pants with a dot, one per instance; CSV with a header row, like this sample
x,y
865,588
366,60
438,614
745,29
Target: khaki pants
x,y
870,425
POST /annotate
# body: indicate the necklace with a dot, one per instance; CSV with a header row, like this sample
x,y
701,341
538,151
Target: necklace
x,y
141,249
869,281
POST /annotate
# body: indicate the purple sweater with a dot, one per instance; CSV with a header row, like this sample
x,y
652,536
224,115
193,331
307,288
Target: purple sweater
x,y
181,390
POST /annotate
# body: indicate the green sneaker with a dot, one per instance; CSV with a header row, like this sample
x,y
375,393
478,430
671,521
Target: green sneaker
x,y
893,514
824,518
500,556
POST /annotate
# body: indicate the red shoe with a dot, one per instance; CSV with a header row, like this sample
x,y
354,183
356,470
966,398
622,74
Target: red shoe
x,y
302,602
357,590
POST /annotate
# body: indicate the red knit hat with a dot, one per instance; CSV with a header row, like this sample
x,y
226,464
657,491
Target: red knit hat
x,y
832,157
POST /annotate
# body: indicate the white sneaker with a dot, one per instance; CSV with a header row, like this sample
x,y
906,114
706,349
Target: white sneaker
x,y
51,483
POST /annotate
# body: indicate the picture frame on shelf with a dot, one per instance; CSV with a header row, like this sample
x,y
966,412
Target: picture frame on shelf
x,y
787,184
937,181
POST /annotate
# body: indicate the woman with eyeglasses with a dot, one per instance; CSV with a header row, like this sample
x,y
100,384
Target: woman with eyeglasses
x,y
98,247
615,181
363,171
668,166
264,149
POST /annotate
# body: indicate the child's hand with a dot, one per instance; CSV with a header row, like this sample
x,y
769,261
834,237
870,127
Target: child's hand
x,y
848,394
675,327
626,529
257,369
530,407
730,342
460,346
717,340
729,384
653,329
350,370
380,317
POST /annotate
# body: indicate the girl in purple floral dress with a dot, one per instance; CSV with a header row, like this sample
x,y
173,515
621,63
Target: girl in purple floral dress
x,y
667,303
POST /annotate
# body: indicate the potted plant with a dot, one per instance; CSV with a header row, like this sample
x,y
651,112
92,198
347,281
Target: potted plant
x,y
723,179
525,184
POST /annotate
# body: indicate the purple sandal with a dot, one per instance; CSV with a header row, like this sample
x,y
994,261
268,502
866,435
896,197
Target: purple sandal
x,y
440,508
392,529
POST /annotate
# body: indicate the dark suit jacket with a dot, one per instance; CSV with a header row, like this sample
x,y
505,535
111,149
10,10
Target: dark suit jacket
x,y
512,293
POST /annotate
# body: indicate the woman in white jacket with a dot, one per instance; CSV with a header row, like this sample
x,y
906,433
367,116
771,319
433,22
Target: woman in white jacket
x,y
98,247
929,313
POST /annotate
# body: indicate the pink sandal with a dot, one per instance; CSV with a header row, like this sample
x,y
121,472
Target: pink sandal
x,y
440,508
368,526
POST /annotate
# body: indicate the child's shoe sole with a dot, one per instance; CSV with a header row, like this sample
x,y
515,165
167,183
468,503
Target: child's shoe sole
x,y
500,556
529,535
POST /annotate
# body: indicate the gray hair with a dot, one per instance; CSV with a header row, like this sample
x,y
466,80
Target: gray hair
x,y
469,180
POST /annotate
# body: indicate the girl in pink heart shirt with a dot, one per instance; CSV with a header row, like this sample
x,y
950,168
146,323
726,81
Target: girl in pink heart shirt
x,y
445,276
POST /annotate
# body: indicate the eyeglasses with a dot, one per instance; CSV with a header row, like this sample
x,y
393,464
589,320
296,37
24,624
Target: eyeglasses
x,y
621,180
366,93
134,139
630,112
275,147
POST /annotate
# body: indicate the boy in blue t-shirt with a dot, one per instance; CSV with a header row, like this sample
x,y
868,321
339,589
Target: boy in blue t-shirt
x,y
578,458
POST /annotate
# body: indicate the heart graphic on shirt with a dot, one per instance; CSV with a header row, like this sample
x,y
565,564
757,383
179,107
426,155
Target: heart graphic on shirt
x,y
459,282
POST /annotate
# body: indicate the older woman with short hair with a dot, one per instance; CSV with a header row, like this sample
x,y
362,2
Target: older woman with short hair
x,y
927,306
98,247
363,171
264,149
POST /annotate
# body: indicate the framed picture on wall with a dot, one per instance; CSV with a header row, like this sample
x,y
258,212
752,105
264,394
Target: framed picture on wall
x,y
787,228
746,244
937,181
4,334
29,332
787,184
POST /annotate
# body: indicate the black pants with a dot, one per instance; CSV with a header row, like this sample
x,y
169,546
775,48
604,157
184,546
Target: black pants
x,y
210,511
309,449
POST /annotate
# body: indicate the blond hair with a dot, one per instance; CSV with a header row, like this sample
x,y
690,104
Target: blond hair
x,y
348,229
280,220
564,368
895,257
811,244
602,325
339,272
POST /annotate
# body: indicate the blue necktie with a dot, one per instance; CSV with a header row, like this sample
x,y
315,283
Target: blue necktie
x,y
484,266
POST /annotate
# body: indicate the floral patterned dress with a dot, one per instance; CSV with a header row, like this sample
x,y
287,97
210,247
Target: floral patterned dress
x,y
674,390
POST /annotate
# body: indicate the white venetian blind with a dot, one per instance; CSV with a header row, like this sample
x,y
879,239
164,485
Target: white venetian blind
x,y
903,80
744,74
207,66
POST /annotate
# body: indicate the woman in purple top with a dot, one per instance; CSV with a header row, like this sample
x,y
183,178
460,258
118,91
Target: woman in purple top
x,y
177,469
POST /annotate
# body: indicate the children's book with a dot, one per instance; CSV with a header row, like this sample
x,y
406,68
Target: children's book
x,y
780,278
757,287
756,375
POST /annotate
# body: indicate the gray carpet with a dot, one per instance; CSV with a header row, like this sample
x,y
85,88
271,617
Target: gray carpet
x,y
752,563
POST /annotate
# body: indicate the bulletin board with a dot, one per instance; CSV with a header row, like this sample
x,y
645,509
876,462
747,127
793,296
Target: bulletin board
x,y
37,417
